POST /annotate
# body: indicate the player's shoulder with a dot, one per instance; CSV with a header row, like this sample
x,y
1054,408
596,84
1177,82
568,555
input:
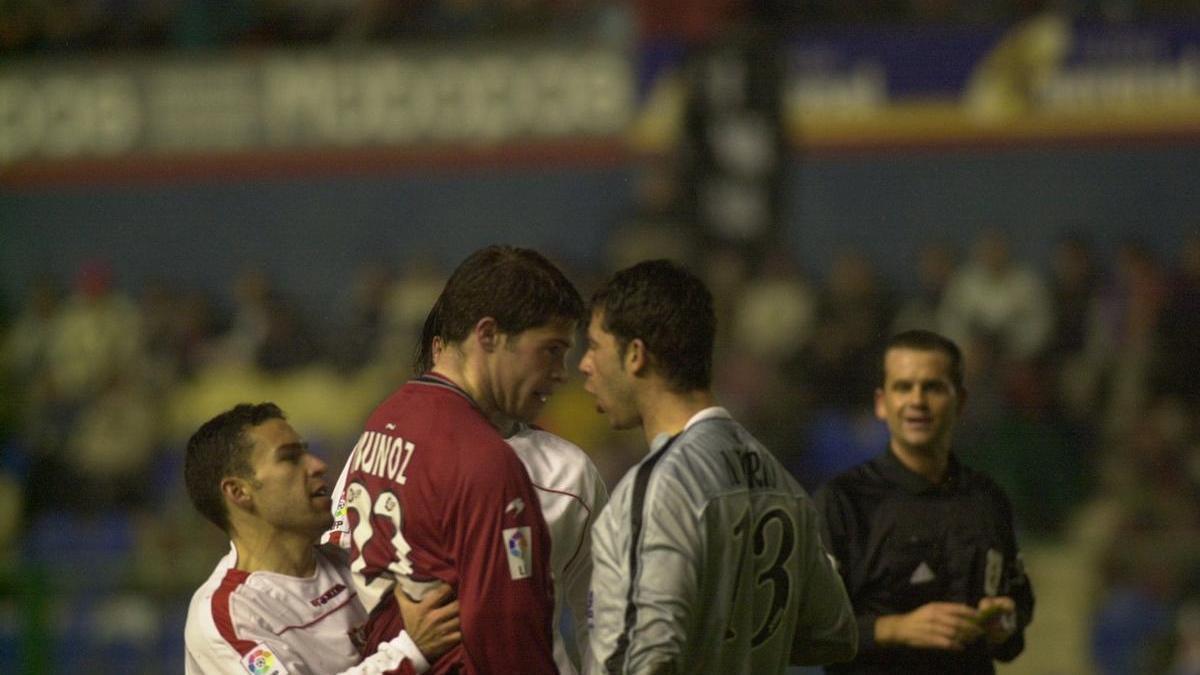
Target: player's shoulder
x,y
433,415
215,578
979,481
202,612
552,456
863,477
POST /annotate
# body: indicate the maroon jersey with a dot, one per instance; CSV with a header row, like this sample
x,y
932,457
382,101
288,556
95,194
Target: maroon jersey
x,y
433,492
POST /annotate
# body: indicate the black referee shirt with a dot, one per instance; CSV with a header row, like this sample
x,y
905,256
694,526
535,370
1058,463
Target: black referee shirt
x,y
901,542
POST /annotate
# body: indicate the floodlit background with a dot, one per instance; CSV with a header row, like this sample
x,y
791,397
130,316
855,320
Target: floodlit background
x,y
206,203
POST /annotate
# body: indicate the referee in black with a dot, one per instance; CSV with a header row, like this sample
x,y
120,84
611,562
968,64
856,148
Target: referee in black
x,y
924,544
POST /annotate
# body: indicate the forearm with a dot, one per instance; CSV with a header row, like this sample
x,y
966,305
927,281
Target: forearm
x,y
398,655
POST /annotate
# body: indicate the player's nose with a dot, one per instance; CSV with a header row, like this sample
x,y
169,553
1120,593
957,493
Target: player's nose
x,y
317,466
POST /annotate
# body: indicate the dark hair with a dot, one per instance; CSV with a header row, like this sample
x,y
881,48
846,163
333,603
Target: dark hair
x,y
518,287
220,448
926,341
671,311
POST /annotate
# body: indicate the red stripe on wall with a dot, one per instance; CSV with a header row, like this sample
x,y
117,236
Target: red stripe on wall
x,y
322,162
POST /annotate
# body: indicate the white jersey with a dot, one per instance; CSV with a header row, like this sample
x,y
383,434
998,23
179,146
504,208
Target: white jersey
x,y
263,623
709,559
570,493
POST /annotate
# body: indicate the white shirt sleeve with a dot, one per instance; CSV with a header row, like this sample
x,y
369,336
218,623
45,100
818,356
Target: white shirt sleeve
x,y
578,574
393,655
217,657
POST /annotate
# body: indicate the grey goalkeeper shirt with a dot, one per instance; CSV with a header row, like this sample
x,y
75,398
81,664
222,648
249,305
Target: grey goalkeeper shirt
x,y
708,559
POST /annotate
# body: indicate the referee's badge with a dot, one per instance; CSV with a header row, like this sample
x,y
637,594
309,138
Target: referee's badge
x,y
518,546
993,572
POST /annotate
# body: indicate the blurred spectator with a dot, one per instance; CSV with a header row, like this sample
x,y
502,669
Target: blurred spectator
x,y
252,300
288,343
936,262
992,295
92,438
1179,329
1185,659
1072,287
96,335
405,307
1153,559
1121,340
773,320
777,312
179,328
112,447
28,339
358,343
852,322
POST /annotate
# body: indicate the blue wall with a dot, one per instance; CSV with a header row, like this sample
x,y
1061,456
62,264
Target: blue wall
x,y
311,233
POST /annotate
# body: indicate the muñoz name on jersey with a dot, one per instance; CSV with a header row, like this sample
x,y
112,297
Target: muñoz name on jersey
x,y
382,455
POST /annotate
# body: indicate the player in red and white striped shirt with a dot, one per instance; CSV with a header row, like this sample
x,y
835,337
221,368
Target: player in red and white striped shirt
x,y
277,603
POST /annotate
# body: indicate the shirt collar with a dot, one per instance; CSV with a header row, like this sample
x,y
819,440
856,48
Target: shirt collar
x,y
712,412
894,471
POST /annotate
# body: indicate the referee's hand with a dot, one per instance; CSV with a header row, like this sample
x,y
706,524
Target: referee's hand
x,y
998,617
936,625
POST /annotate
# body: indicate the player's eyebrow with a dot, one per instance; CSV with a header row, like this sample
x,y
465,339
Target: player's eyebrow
x,y
302,446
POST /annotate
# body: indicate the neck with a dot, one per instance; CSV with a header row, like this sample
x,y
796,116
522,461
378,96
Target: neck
x,y
931,463
666,411
275,551
470,376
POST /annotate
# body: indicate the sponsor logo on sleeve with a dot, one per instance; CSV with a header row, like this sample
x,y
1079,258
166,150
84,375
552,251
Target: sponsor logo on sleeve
x,y
518,546
262,661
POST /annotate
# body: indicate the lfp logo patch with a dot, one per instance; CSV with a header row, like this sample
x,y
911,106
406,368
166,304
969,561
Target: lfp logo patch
x,y
262,661
519,546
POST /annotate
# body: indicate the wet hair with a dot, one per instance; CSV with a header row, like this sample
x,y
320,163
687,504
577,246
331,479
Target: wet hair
x,y
670,310
925,341
218,449
518,287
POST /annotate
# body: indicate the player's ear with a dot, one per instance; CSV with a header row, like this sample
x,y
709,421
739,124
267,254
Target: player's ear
x,y
636,359
487,332
880,408
237,491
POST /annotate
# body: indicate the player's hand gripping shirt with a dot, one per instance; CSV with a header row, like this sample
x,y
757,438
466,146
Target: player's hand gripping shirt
x,y
263,623
708,559
432,493
571,493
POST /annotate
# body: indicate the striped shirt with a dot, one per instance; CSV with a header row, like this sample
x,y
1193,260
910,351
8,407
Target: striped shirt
x,y
708,559
263,623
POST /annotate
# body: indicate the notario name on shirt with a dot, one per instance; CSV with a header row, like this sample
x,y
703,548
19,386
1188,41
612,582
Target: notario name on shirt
x,y
753,473
382,455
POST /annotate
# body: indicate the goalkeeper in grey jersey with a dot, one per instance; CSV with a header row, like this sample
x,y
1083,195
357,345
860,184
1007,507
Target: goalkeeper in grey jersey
x,y
708,558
